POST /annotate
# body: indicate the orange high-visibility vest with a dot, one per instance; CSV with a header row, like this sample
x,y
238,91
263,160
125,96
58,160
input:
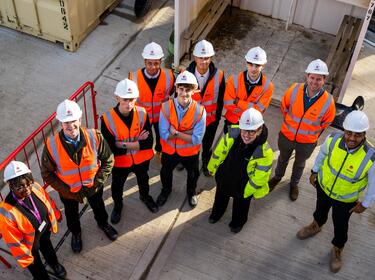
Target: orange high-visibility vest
x,y
67,170
301,126
152,101
210,96
191,117
259,98
17,230
121,133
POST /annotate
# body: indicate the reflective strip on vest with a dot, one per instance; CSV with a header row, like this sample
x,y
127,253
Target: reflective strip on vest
x,y
167,84
216,90
264,168
26,255
7,215
255,186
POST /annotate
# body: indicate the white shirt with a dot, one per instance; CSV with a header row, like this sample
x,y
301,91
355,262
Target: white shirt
x,y
253,82
370,195
202,79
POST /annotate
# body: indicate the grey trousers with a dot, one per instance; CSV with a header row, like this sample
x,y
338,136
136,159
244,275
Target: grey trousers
x,y
286,147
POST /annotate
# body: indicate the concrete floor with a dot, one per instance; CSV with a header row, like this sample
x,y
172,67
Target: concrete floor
x,y
178,243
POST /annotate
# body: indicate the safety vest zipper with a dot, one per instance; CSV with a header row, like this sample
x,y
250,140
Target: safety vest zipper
x,y
338,173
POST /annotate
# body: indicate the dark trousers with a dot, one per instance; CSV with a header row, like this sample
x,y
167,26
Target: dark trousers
x,y
286,147
207,141
340,215
119,176
239,212
157,137
43,245
72,211
169,162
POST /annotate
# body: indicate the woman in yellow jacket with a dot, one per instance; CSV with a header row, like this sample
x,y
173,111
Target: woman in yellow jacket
x,y
241,164
27,217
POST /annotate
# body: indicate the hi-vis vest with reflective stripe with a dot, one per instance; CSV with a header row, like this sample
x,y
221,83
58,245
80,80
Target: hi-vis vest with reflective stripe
x,y
305,127
210,96
191,117
258,169
17,230
343,176
67,170
121,133
152,101
259,99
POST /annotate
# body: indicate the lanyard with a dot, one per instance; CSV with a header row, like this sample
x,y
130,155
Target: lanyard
x,y
34,211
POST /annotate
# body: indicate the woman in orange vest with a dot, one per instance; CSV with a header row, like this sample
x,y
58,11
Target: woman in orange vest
x,y
182,125
211,84
27,217
127,129
249,89
307,110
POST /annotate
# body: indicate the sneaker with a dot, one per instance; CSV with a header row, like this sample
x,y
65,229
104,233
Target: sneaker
x,y
150,203
162,198
58,270
309,231
76,243
293,192
116,214
109,231
273,182
193,200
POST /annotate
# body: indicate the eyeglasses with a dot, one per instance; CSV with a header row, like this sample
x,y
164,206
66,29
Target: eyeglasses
x,y
21,187
251,132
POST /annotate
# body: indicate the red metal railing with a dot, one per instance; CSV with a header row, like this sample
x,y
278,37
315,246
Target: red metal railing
x,y
30,150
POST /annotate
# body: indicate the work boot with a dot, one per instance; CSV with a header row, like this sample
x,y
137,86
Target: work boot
x,y
76,243
335,263
204,168
293,192
58,270
110,231
273,182
309,230
150,203
116,214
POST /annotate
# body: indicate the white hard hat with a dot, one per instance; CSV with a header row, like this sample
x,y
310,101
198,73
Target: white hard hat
x,y
203,49
317,66
186,78
251,119
256,55
15,169
356,121
68,111
127,89
152,51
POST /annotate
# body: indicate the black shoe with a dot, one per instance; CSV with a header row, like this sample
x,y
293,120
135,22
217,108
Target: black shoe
x,y
180,167
116,214
236,229
273,183
204,168
211,220
76,243
193,200
162,198
58,270
150,203
109,231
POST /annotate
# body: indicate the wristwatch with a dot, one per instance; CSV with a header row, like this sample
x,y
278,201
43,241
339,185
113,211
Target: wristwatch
x,y
176,133
124,145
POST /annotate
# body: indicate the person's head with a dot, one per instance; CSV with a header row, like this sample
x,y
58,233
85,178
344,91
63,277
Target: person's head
x,y
69,114
355,126
203,52
256,59
19,178
316,73
186,85
251,123
126,94
152,54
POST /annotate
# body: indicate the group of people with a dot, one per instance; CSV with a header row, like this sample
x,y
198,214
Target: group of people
x,y
185,113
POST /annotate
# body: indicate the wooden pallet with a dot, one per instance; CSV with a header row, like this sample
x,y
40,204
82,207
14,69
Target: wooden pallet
x,y
341,52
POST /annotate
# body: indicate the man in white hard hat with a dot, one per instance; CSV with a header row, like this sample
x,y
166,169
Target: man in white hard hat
x,y
241,164
182,125
249,89
343,169
70,165
308,109
155,84
211,85
127,129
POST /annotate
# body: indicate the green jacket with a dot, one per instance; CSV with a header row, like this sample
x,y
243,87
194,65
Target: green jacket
x,y
258,169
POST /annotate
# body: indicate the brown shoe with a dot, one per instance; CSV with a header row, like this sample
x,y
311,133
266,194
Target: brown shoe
x,y
335,263
273,182
308,231
293,192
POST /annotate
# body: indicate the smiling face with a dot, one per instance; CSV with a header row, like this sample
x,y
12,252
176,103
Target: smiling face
x,y
353,139
21,188
203,64
315,82
248,136
71,129
152,66
254,70
184,93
